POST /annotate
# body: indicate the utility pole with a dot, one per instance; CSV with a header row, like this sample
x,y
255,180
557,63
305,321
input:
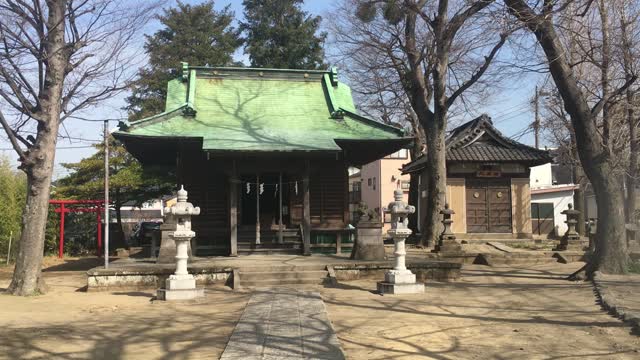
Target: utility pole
x,y
536,121
106,194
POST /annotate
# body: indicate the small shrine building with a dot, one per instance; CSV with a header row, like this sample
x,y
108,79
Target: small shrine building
x,y
487,182
263,152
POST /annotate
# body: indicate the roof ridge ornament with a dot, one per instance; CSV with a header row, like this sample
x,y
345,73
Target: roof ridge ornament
x,y
185,71
333,74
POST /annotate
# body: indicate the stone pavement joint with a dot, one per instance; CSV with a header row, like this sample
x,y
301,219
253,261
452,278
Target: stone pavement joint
x,y
282,323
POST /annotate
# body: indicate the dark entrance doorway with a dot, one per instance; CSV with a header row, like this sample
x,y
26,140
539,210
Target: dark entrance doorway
x,y
542,219
488,206
269,202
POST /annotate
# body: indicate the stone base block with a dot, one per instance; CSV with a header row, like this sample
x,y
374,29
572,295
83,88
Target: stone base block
x,y
180,294
180,284
167,252
448,246
571,245
399,277
368,251
390,288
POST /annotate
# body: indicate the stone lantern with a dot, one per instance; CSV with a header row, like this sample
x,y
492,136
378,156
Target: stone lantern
x,y
571,239
447,242
181,285
400,280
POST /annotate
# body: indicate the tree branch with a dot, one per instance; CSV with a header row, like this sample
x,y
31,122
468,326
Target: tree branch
x,y
600,104
478,74
12,137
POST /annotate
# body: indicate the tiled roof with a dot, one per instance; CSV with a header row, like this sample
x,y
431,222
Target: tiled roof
x,y
479,141
491,153
260,110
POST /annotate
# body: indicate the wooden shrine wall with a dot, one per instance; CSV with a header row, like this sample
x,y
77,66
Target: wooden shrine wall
x,y
208,189
328,189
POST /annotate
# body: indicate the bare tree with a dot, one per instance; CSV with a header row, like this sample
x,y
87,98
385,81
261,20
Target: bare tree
x,y
629,16
591,116
56,60
428,55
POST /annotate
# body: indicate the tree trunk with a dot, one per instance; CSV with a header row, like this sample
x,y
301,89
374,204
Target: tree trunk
x,y
27,278
414,183
578,195
436,186
632,175
39,160
611,245
634,142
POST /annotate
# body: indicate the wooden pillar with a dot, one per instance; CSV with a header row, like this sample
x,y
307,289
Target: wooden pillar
x,y
258,209
338,242
346,214
280,239
233,211
306,216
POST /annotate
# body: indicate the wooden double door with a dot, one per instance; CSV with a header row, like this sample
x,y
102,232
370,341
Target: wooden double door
x,y
488,205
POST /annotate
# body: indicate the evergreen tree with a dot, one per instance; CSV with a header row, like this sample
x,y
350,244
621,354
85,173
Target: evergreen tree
x,y
196,34
128,180
279,34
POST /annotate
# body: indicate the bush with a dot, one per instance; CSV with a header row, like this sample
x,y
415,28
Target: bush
x,y
13,190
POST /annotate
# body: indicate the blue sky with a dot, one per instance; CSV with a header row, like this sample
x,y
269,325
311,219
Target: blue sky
x,y
508,107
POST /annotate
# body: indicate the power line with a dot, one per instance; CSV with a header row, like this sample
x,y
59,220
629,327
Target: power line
x,y
511,109
75,117
58,148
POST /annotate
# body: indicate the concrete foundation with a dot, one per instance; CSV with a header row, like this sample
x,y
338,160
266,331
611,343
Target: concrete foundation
x,y
400,282
571,244
138,275
397,289
180,294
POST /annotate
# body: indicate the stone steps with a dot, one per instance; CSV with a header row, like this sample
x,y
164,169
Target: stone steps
x,y
292,243
517,258
278,277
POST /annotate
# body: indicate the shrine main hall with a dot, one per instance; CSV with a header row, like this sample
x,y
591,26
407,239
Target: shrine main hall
x,y
264,153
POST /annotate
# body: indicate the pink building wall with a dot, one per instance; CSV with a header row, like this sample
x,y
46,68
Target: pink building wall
x,y
385,174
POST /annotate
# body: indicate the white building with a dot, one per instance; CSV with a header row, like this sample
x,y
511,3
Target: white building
x,y
548,200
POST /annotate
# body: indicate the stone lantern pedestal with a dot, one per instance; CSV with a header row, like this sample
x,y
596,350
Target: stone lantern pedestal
x,y
571,239
400,280
181,285
369,244
447,242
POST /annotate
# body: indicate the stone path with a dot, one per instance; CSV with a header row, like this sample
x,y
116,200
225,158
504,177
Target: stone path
x,y
280,323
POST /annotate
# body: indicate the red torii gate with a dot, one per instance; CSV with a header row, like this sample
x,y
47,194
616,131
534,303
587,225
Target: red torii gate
x,y
96,206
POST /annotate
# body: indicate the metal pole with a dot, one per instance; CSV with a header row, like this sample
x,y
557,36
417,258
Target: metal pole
x,y
280,240
536,122
106,194
9,249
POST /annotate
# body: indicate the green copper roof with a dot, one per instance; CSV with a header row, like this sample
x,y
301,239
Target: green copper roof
x,y
240,109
